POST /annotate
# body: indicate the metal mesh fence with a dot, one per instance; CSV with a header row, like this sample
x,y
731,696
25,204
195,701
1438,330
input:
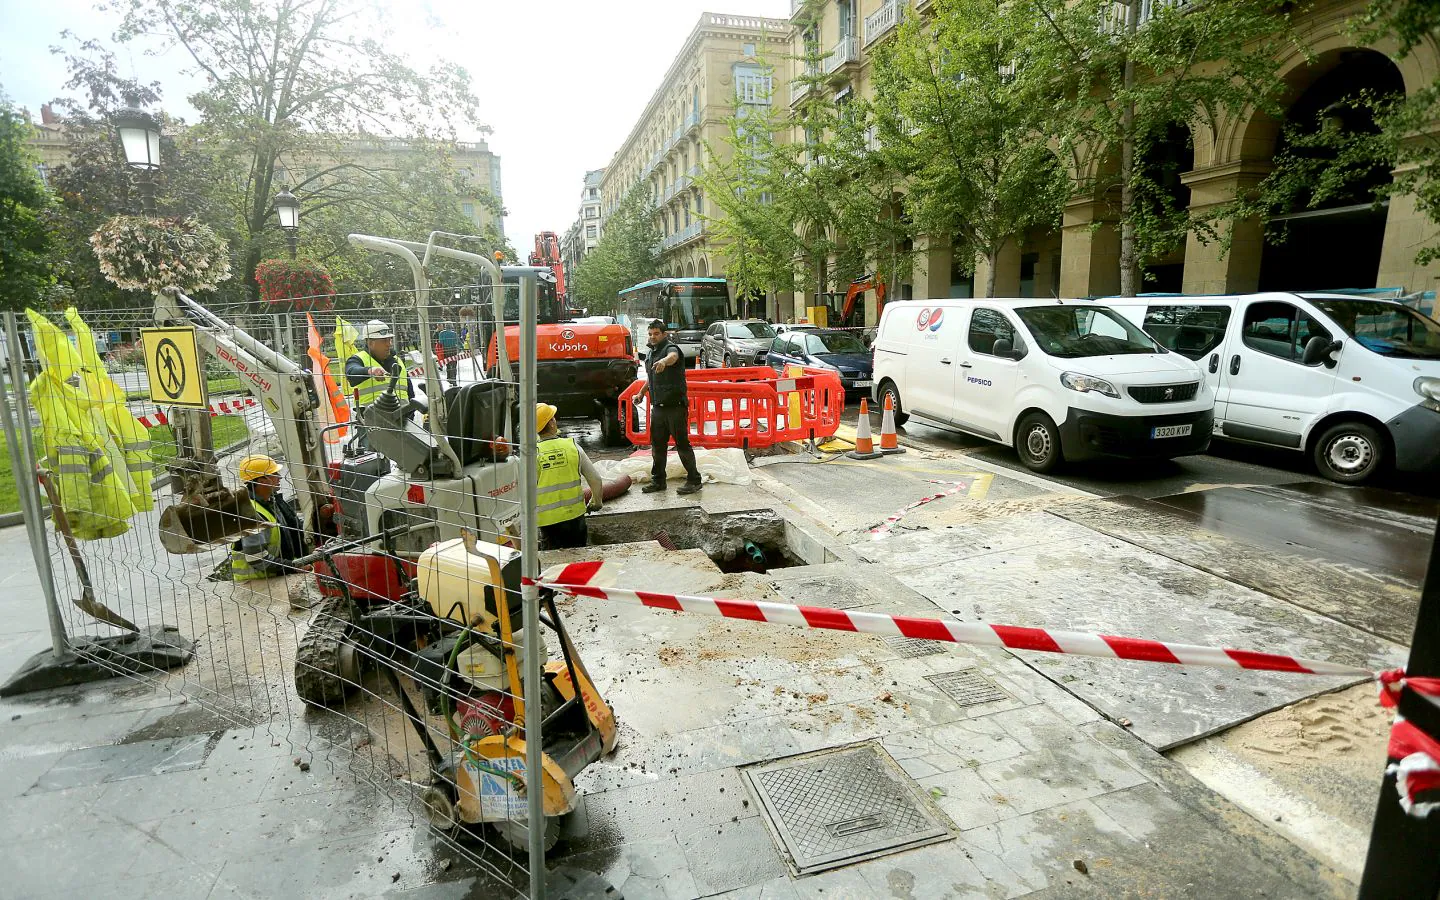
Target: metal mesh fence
x,y
366,597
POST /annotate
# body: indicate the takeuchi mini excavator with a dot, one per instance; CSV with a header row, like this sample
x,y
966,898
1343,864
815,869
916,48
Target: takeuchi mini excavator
x,y
852,315
413,533
547,254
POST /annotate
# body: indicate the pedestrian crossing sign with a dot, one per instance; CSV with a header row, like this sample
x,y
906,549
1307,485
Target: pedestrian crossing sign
x,y
172,364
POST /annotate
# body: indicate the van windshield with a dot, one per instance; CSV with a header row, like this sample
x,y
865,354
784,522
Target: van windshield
x,y
1071,332
1388,329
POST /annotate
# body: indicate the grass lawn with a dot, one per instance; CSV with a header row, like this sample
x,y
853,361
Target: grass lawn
x,y
226,430
216,384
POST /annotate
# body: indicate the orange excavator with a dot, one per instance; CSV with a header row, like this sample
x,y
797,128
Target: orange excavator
x,y
852,315
547,253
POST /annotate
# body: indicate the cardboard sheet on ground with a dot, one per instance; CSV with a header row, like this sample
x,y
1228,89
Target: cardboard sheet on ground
x,y
1041,571
726,466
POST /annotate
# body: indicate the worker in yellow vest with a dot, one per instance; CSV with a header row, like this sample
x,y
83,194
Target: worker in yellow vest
x,y
560,466
370,369
267,551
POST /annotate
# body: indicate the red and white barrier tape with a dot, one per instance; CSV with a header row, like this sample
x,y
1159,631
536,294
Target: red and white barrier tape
x,y
577,579
218,408
883,529
417,371
1416,754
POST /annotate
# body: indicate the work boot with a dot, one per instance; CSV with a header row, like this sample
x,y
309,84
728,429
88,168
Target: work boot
x,y
689,487
653,487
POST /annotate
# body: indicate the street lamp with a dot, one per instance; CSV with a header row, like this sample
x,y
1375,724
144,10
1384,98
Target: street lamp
x,y
140,140
287,208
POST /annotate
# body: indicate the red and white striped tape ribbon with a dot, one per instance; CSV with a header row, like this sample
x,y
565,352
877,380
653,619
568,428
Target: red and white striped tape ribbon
x,y
417,371
1416,754
572,581
883,529
218,408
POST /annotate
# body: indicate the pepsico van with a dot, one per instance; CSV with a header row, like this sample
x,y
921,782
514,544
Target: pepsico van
x,y
1057,380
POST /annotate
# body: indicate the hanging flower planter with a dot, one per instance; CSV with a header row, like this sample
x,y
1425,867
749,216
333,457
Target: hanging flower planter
x,y
145,253
295,285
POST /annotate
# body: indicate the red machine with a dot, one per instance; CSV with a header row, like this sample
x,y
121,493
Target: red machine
x,y
547,253
853,314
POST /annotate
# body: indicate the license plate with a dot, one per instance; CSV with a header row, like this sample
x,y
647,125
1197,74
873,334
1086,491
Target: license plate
x,y
1165,431
864,383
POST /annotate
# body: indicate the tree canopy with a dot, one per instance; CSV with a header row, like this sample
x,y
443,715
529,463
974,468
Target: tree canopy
x,y
24,240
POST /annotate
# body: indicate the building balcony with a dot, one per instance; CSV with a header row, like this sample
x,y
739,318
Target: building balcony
x,y
846,53
799,6
692,120
799,89
683,236
883,20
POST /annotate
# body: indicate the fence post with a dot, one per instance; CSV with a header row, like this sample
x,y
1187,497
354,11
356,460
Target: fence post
x,y
1404,855
529,592
22,466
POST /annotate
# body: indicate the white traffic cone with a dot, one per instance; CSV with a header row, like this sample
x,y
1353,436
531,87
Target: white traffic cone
x,y
889,440
864,444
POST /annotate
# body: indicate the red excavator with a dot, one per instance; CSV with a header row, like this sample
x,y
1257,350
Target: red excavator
x,y
547,253
853,313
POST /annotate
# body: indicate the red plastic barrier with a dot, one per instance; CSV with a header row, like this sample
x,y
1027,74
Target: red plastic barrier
x,y
747,407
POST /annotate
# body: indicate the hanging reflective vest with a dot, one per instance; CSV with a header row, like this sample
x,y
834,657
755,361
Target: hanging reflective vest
x,y
369,390
126,434
561,496
242,569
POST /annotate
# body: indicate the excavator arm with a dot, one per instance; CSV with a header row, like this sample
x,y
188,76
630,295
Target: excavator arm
x,y
285,394
857,289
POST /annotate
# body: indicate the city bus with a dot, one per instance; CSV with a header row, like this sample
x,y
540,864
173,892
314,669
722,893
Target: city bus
x,y
686,305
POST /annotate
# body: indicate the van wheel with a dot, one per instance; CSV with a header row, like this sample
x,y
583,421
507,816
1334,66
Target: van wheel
x,y
1037,440
888,389
1349,453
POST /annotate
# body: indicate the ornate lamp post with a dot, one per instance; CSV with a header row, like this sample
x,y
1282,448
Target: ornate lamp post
x,y
140,140
287,208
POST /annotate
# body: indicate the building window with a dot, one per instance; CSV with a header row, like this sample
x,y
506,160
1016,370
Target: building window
x,y
469,210
747,49
699,204
687,216
753,84
590,231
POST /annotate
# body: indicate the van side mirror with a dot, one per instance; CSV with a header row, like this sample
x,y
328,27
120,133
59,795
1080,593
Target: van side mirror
x,y
1317,350
1003,348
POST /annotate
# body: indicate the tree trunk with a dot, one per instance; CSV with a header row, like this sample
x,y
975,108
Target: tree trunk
x,y
1129,270
990,259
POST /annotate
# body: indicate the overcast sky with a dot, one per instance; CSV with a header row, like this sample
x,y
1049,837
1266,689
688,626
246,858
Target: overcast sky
x,y
560,81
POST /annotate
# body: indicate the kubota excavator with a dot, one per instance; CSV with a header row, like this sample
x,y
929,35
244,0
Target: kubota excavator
x,y
423,576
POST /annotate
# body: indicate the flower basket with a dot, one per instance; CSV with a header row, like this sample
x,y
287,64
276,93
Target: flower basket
x,y
295,285
145,253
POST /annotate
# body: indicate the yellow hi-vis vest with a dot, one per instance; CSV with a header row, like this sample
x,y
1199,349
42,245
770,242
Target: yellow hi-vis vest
x,y
369,390
561,496
242,569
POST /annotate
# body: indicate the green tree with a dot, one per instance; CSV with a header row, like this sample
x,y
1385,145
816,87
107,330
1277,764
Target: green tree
x,y
625,255
1123,85
966,117
24,241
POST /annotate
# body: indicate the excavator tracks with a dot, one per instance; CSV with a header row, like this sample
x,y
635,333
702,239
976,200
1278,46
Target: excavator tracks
x,y
320,659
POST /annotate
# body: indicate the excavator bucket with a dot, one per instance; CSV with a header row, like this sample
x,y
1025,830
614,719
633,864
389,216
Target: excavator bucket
x,y
197,522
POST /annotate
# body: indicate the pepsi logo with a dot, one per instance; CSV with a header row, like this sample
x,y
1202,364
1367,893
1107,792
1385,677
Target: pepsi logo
x,y
929,318
935,317
568,334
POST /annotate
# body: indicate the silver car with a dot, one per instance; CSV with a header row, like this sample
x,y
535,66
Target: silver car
x,y
735,344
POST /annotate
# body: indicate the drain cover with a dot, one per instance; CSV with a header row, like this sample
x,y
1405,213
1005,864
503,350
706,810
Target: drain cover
x,y
839,806
967,687
821,590
907,648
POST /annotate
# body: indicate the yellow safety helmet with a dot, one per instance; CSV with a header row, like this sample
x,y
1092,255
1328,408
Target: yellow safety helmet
x,y
544,414
257,466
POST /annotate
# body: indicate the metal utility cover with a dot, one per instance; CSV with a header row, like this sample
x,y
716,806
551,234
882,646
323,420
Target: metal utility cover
x,y
833,591
908,648
839,806
967,687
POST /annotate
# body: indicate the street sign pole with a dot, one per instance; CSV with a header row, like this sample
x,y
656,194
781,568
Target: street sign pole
x,y
1404,856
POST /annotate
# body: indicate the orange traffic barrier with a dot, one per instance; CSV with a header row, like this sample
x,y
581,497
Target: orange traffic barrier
x,y
864,443
749,407
889,440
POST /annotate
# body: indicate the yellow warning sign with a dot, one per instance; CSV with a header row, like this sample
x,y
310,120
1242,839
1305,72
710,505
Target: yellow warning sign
x,y
172,362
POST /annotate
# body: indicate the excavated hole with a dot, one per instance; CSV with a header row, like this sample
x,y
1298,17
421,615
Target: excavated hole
x,y
729,539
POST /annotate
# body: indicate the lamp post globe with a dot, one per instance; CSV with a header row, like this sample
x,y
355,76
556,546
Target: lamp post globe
x,y
139,138
287,209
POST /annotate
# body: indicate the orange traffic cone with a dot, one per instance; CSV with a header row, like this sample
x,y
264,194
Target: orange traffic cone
x,y
864,444
889,441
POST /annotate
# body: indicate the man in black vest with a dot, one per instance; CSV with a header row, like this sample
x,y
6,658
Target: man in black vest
x,y
669,411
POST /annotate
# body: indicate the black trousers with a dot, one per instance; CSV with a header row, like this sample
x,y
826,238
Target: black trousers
x,y
668,422
570,533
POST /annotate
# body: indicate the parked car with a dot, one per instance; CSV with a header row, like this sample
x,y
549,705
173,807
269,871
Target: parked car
x,y
802,326
825,349
735,343
1352,382
1056,380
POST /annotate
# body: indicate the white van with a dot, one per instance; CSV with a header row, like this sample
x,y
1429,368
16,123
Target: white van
x,y
1056,379
1353,382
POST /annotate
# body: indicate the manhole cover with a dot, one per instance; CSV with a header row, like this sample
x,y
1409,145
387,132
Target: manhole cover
x,y
832,591
907,648
967,687
839,806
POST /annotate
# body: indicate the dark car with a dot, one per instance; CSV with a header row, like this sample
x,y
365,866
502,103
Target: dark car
x,y
842,351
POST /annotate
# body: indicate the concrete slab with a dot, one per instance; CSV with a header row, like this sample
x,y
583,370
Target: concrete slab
x,y
1039,571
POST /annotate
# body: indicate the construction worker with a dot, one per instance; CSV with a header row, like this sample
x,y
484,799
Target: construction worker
x,y
561,464
369,370
266,552
669,411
